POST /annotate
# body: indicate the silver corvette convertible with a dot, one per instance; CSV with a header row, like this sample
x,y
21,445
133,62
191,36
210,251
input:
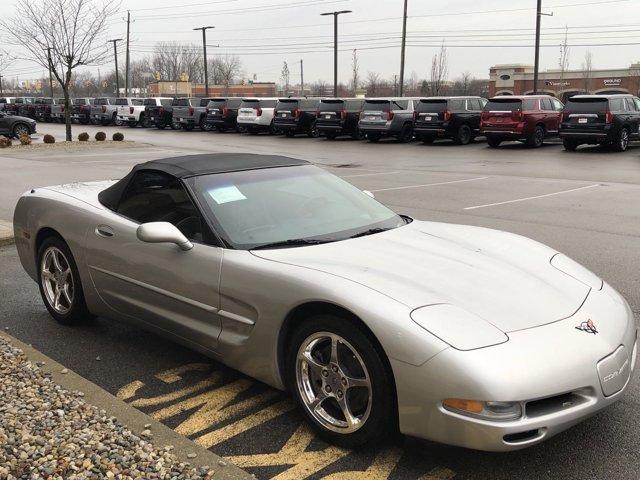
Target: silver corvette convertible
x,y
376,322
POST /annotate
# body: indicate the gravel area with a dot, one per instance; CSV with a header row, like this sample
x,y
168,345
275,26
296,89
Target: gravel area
x,y
47,432
64,145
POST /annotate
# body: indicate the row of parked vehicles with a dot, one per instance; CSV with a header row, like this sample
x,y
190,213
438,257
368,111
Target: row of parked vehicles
x,y
612,120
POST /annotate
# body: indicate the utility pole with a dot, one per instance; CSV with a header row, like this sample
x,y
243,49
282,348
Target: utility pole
x,y
404,42
126,76
301,79
1,92
50,74
335,47
536,65
115,56
204,49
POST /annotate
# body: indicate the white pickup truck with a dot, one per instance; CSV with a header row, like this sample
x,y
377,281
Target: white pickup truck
x,y
129,110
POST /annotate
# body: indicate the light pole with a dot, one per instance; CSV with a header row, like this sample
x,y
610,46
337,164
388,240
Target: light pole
x,y
335,47
1,93
204,49
115,54
404,42
536,65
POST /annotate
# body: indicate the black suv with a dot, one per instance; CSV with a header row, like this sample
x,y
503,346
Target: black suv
x,y
222,113
387,117
457,118
296,115
162,116
339,116
611,120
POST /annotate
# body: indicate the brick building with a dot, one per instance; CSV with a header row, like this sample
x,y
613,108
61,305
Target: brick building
x,y
517,79
186,89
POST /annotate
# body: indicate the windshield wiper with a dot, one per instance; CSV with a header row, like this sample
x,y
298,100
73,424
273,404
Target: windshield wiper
x,y
371,231
294,242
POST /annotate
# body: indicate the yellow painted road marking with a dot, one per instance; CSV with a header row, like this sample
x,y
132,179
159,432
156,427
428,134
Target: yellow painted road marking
x,y
130,390
293,453
183,392
174,374
438,473
381,468
215,437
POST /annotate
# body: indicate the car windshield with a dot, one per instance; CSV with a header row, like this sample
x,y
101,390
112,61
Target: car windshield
x,y
257,208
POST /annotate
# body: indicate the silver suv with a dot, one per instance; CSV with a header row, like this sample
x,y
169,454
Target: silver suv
x,y
388,117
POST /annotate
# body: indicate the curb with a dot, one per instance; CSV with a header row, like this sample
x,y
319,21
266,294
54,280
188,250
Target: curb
x,y
6,233
132,418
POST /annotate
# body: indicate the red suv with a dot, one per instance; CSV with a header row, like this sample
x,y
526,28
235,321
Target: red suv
x,y
529,119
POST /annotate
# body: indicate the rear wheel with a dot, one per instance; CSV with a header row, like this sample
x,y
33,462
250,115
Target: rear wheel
x,y
59,282
358,134
373,137
536,139
330,136
341,381
188,127
175,125
313,131
221,129
161,125
204,126
463,137
621,143
132,124
428,139
569,145
493,142
406,134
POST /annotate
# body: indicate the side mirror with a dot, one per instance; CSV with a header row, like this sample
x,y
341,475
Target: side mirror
x,y
367,192
163,232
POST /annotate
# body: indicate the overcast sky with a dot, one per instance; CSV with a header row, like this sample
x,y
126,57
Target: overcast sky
x,y
478,34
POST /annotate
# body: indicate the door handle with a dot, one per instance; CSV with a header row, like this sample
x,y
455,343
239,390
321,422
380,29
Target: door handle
x,y
104,231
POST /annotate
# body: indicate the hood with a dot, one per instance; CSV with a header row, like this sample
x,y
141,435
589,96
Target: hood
x,y
504,278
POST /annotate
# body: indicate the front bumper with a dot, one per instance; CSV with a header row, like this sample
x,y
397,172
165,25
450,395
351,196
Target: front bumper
x,y
556,372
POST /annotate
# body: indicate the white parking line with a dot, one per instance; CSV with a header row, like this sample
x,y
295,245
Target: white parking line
x,y
429,184
369,174
534,197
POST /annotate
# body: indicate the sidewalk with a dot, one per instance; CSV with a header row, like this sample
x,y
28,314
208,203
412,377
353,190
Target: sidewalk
x,y
56,424
6,233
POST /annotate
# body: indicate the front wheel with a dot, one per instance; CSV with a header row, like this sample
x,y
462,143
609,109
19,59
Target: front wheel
x,y
59,282
342,381
21,129
621,143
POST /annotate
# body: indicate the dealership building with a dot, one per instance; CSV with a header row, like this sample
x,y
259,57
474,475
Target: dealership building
x,y
188,89
517,79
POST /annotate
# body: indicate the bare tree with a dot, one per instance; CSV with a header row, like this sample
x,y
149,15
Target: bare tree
x,y
355,72
284,76
439,71
563,60
373,83
62,35
228,69
462,85
174,60
319,88
587,70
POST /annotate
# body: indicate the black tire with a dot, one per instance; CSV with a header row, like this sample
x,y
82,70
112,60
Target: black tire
x,y
464,135
373,137
493,142
569,145
221,129
78,311
536,139
289,134
176,125
204,126
20,129
406,134
313,131
358,134
161,125
382,420
132,124
621,143
330,136
188,127
428,139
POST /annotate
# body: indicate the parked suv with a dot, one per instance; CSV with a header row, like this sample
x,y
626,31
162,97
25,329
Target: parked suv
x,y
457,118
162,115
255,115
4,101
104,110
18,105
57,110
147,118
28,108
222,113
81,110
529,119
387,117
129,110
339,116
296,115
191,112
600,119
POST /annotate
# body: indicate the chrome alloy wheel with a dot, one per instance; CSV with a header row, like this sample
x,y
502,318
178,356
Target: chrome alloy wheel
x,y
333,382
57,280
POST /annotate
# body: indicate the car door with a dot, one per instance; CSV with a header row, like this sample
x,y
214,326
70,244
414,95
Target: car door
x,y
170,289
635,105
5,124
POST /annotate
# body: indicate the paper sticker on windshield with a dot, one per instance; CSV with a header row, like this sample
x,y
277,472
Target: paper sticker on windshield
x,y
226,194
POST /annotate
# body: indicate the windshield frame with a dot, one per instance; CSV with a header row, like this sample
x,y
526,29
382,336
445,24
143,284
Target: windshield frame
x,y
227,242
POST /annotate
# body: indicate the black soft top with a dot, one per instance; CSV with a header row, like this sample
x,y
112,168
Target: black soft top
x,y
196,165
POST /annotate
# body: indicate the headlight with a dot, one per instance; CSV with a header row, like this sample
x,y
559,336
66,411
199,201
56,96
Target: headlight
x,y
577,271
497,411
